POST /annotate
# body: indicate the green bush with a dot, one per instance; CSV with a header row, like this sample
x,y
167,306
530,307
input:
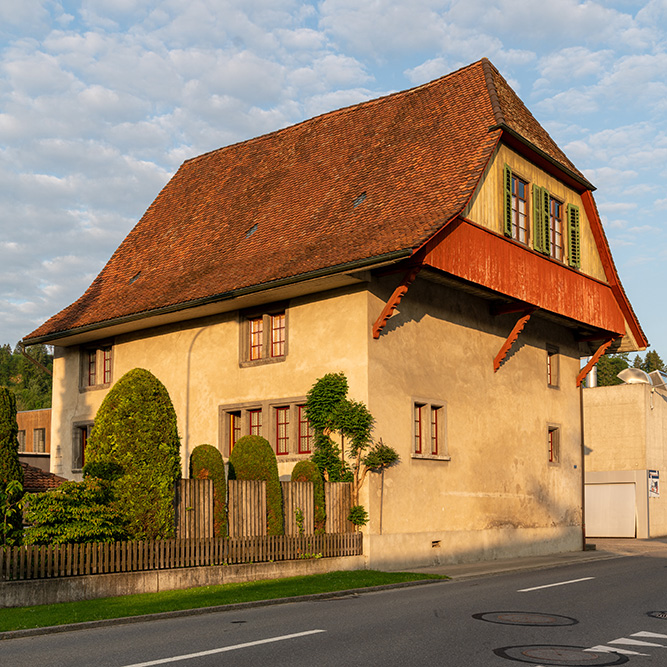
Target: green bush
x,y
307,471
206,463
74,512
253,458
135,429
10,470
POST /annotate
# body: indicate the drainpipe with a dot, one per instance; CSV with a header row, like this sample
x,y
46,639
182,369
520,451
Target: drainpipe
x,y
39,365
583,469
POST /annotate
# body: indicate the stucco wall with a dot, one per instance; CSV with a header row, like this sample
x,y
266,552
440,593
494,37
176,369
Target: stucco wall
x,y
198,362
626,430
499,481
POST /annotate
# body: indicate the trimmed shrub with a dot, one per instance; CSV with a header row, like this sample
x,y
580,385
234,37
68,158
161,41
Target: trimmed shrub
x,y
253,458
206,463
307,471
135,429
75,512
10,470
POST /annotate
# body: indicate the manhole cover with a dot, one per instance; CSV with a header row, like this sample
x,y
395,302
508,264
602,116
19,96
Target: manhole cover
x,y
560,656
524,618
658,614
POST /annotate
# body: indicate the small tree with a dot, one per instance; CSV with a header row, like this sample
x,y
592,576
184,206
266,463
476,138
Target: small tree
x,y
329,410
10,470
253,458
609,366
135,429
206,463
307,471
75,512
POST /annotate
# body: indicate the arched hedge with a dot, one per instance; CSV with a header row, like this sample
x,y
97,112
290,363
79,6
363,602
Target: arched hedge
x,y
135,428
206,463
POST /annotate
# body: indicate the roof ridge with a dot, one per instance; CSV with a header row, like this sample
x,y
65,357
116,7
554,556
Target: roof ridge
x,y
489,69
347,109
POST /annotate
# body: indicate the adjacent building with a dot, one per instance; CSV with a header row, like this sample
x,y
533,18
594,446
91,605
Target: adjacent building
x,y
437,247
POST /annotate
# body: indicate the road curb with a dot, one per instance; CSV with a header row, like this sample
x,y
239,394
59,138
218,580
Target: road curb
x,y
87,625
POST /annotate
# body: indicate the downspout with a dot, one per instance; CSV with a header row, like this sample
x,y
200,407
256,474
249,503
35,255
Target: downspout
x,y
583,469
39,365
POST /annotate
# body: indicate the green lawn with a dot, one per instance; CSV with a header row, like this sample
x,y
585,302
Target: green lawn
x,y
194,598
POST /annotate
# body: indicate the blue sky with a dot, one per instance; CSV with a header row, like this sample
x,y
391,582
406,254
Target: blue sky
x,y
100,102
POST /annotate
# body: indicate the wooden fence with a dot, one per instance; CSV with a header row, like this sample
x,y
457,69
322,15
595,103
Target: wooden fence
x,y
338,500
194,508
43,562
298,498
246,507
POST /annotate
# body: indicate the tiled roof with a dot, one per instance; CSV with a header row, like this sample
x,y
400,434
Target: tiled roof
x,y
362,182
36,480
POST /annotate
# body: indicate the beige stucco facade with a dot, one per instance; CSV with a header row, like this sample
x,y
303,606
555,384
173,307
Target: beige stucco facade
x,y
625,437
490,492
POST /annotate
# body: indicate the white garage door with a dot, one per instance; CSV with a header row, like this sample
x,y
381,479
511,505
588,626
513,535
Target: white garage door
x,y
610,510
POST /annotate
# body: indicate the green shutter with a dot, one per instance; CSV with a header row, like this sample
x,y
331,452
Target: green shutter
x,y
538,227
507,189
546,212
573,237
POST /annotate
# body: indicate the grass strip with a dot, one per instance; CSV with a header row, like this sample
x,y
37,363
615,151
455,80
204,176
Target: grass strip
x,y
63,613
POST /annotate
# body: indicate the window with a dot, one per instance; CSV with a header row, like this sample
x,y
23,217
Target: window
x,y
255,422
39,440
79,442
305,432
554,444
282,430
552,366
21,437
283,422
428,430
234,428
263,338
556,229
96,367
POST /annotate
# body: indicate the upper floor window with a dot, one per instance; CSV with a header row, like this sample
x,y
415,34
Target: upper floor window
x,y
552,366
21,437
96,366
264,338
556,229
519,210
39,440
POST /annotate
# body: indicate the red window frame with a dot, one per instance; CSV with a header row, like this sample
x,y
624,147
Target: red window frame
x,y
418,428
519,210
434,430
278,335
553,445
255,422
556,229
282,431
305,434
234,428
256,342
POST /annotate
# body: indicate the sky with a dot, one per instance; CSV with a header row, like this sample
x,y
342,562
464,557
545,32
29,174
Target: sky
x,y
100,102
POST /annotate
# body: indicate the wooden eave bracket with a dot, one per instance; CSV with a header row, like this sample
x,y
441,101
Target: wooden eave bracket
x,y
394,300
593,360
514,334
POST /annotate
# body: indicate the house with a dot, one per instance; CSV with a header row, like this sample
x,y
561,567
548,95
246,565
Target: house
x,y
625,431
437,247
35,437
36,480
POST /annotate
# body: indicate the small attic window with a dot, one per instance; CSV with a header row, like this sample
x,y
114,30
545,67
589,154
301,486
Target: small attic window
x,y
251,231
358,200
135,276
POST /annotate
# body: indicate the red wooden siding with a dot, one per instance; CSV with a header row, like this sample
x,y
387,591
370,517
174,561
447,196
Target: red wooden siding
x,y
483,257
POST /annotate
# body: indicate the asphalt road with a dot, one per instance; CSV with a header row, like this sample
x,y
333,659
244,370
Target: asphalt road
x,y
546,617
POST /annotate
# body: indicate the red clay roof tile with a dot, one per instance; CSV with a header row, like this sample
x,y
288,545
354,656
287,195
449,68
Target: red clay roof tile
x,y
416,155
